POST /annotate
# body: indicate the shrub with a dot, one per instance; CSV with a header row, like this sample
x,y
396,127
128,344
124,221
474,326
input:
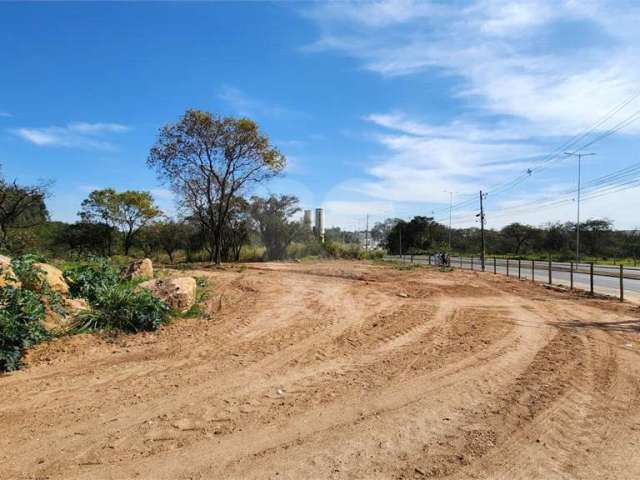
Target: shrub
x,y
21,316
28,276
120,307
87,279
24,269
312,248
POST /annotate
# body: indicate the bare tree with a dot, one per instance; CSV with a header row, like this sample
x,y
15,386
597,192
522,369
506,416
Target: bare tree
x,y
208,161
21,206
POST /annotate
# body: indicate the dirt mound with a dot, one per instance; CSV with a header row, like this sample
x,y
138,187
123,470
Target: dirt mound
x,y
339,370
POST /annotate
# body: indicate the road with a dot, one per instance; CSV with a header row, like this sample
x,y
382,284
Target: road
x,y
606,278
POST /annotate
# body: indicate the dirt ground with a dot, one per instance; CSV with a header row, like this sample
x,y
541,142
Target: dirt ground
x,y
340,370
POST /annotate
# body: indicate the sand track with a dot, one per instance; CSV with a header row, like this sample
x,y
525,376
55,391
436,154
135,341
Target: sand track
x,y
340,370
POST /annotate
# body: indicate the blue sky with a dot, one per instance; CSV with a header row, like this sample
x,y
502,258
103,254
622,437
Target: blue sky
x,y
380,107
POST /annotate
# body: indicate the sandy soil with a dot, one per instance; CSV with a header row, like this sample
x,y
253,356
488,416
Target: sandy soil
x,y
340,370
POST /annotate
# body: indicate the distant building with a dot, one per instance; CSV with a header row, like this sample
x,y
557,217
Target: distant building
x,y
319,225
306,219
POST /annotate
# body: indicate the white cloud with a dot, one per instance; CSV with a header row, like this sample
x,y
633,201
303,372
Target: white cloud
x,y
242,104
524,72
420,161
162,194
509,18
375,13
456,129
95,128
80,135
513,58
355,208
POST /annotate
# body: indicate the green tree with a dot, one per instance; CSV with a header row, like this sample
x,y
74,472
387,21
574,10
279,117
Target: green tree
x,y
172,236
86,238
380,231
210,160
126,211
518,235
273,219
595,234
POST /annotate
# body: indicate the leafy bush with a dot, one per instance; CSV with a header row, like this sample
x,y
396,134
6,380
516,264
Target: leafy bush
x,y
312,248
24,269
21,316
120,307
87,279
27,273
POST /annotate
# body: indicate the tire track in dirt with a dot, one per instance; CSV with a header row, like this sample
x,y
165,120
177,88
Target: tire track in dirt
x,y
339,370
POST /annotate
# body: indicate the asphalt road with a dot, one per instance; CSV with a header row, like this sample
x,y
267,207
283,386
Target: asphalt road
x,y
606,278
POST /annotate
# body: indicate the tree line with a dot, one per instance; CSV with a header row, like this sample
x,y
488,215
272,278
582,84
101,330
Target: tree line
x,y
212,164
598,239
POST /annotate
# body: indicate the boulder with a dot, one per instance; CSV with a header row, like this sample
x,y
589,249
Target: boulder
x,y
51,276
59,321
140,270
177,293
73,306
54,321
7,275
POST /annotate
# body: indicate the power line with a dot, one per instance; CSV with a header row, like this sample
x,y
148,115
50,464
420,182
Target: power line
x,y
620,180
557,153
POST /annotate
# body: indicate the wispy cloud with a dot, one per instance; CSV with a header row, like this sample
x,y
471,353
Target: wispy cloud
x,y
243,104
74,135
581,63
4,114
352,208
523,73
419,161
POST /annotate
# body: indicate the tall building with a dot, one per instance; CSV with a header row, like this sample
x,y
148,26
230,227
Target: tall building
x,y
307,219
319,227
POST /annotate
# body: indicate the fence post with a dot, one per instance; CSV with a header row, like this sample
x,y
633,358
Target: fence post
x,y
550,278
471,262
591,275
507,266
429,259
533,270
412,258
621,283
519,264
571,276
460,261
495,269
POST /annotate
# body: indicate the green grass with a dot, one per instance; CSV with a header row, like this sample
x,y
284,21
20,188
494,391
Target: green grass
x,y
398,265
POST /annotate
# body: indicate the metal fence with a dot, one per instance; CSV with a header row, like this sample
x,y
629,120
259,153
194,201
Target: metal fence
x,y
618,280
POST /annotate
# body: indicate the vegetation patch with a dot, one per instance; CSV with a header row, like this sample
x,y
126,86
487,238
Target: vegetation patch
x,y
88,279
21,316
120,307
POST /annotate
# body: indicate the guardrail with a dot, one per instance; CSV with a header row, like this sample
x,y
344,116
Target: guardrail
x,y
604,278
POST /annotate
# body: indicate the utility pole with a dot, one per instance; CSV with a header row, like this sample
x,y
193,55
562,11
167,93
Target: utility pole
x,y
579,155
482,230
366,235
400,232
450,209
